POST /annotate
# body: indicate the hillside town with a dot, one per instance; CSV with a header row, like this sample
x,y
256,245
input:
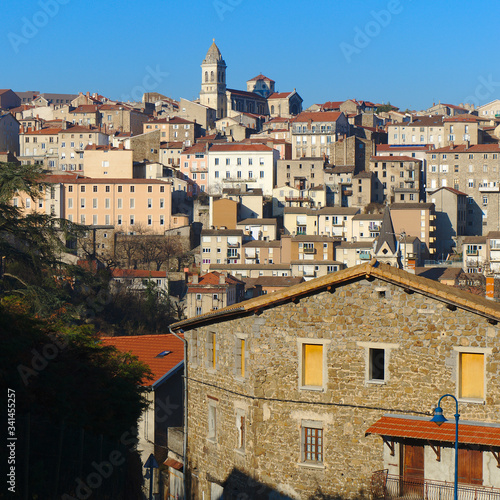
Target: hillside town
x,y
330,272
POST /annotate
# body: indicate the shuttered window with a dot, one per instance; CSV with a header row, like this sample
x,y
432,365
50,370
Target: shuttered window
x,y
471,375
312,364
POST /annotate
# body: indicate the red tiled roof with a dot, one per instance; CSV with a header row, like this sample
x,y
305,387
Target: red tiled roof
x,y
80,129
213,279
279,95
44,131
147,348
87,180
137,273
2,91
454,191
422,428
239,147
331,105
170,462
389,147
86,108
195,148
278,119
462,148
318,116
462,118
58,178
260,77
244,93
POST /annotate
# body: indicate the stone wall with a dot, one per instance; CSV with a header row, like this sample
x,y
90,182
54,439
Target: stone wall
x,y
421,337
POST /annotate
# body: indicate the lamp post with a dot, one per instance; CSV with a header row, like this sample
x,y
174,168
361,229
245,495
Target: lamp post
x,y
439,419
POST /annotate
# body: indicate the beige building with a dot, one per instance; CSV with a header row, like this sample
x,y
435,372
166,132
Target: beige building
x,y
212,291
261,85
354,253
259,229
490,110
174,129
314,132
122,118
474,254
101,162
420,131
396,179
291,197
365,227
221,246
474,171
301,173
416,219
263,252
284,104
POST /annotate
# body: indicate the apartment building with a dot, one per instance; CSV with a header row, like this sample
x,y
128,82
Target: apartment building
x,y
122,118
354,253
491,110
242,166
327,221
474,254
416,219
194,165
128,204
221,246
420,131
258,229
473,170
72,143
262,252
40,147
9,134
451,219
397,179
346,188
101,162
314,132
85,114
365,227
254,270
289,196
462,129
303,173
212,291
175,129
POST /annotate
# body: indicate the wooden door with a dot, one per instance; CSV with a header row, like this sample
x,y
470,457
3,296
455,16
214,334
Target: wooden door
x,y
470,466
413,470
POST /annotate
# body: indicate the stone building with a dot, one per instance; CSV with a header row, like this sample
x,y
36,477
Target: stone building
x,y
9,134
284,104
307,392
301,173
474,170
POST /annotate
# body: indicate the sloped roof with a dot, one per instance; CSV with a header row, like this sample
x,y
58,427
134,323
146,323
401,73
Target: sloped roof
x,y
147,348
438,291
386,233
260,77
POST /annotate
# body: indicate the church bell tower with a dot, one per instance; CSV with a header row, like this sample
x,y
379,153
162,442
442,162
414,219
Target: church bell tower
x,y
213,81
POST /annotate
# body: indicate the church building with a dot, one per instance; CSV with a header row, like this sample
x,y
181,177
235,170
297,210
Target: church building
x,y
231,102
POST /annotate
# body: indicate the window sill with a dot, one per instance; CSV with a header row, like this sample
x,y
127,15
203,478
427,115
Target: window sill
x,y
311,465
212,440
311,388
240,451
472,401
377,382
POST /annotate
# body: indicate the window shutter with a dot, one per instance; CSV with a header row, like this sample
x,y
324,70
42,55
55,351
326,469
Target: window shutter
x,y
313,364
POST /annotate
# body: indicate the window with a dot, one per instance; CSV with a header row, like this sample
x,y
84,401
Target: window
x,y
312,365
471,375
94,203
377,364
312,442
261,175
241,428
212,350
132,202
216,161
212,419
150,202
82,189
120,188
132,189
240,357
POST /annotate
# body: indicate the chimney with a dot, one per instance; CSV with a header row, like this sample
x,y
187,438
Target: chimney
x,y
88,94
195,279
490,287
222,279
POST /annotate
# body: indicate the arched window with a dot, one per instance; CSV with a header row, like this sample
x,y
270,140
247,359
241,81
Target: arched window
x,y
272,110
219,77
206,76
211,76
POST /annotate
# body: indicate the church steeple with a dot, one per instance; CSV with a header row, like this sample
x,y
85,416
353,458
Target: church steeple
x,y
213,81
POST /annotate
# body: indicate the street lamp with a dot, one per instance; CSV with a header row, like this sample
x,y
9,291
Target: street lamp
x,y
439,419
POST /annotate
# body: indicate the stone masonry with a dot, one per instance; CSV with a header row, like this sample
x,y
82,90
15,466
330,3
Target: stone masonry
x,y
421,336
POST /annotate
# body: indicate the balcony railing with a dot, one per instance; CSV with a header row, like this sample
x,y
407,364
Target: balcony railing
x,y
489,187
388,487
309,250
365,255
233,245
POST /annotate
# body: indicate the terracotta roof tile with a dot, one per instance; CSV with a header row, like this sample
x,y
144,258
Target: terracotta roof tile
x,y
422,428
147,348
317,116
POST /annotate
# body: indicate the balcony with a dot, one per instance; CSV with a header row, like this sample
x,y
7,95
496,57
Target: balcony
x,y
198,169
310,250
389,486
238,179
365,255
489,187
231,255
233,245
472,252
374,227
346,192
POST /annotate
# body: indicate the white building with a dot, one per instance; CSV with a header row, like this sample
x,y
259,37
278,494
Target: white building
x,y
235,165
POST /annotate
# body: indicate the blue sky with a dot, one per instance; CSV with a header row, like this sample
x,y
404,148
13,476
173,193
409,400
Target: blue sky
x,y
411,53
